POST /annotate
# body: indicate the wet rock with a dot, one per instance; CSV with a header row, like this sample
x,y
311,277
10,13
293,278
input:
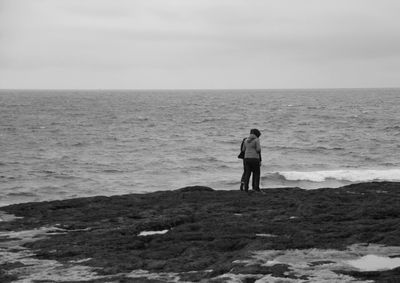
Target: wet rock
x,y
195,189
276,270
208,229
6,278
321,262
385,276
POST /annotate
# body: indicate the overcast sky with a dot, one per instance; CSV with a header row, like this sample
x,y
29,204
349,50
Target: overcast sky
x,y
153,44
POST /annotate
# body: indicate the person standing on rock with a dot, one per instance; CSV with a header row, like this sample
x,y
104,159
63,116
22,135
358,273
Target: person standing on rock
x,y
252,160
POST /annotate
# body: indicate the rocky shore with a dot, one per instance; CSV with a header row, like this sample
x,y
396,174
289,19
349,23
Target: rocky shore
x,y
197,234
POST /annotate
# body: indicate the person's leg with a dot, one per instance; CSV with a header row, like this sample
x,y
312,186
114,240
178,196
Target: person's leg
x,y
247,173
254,167
242,179
253,179
256,175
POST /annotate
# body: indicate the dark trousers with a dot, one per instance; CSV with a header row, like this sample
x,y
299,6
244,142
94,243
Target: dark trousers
x,y
242,179
251,166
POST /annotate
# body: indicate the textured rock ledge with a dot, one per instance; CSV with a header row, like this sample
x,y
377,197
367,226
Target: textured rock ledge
x,y
200,234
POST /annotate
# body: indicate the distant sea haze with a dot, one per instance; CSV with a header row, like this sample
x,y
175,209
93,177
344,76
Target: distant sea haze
x,y
64,144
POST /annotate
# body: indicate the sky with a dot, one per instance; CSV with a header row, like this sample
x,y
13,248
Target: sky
x,y
199,44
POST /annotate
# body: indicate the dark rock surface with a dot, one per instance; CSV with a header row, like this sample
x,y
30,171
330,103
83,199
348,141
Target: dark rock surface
x,y
208,230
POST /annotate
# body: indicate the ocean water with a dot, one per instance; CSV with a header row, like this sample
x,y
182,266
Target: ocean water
x,y
71,143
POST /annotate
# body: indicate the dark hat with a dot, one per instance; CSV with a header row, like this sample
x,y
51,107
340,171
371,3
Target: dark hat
x,y
256,132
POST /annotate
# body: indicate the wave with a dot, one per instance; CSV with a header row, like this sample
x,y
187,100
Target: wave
x,y
5,178
79,144
49,172
65,176
111,171
366,175
141,118
22,194
302,149
205,159
208,120
392,128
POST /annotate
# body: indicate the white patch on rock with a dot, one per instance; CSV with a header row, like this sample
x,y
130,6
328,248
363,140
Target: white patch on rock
x,y
80,260
18,238
316,264
31,269
163,276
322,265
149,233
53,271
5,217
266,235
374,263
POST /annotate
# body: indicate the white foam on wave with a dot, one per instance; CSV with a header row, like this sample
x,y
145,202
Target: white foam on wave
x,y
366,175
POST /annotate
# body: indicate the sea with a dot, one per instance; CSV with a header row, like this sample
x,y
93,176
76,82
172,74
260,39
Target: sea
x,y
59,144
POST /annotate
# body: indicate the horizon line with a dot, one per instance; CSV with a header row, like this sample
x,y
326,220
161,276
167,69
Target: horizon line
x,y
186,89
